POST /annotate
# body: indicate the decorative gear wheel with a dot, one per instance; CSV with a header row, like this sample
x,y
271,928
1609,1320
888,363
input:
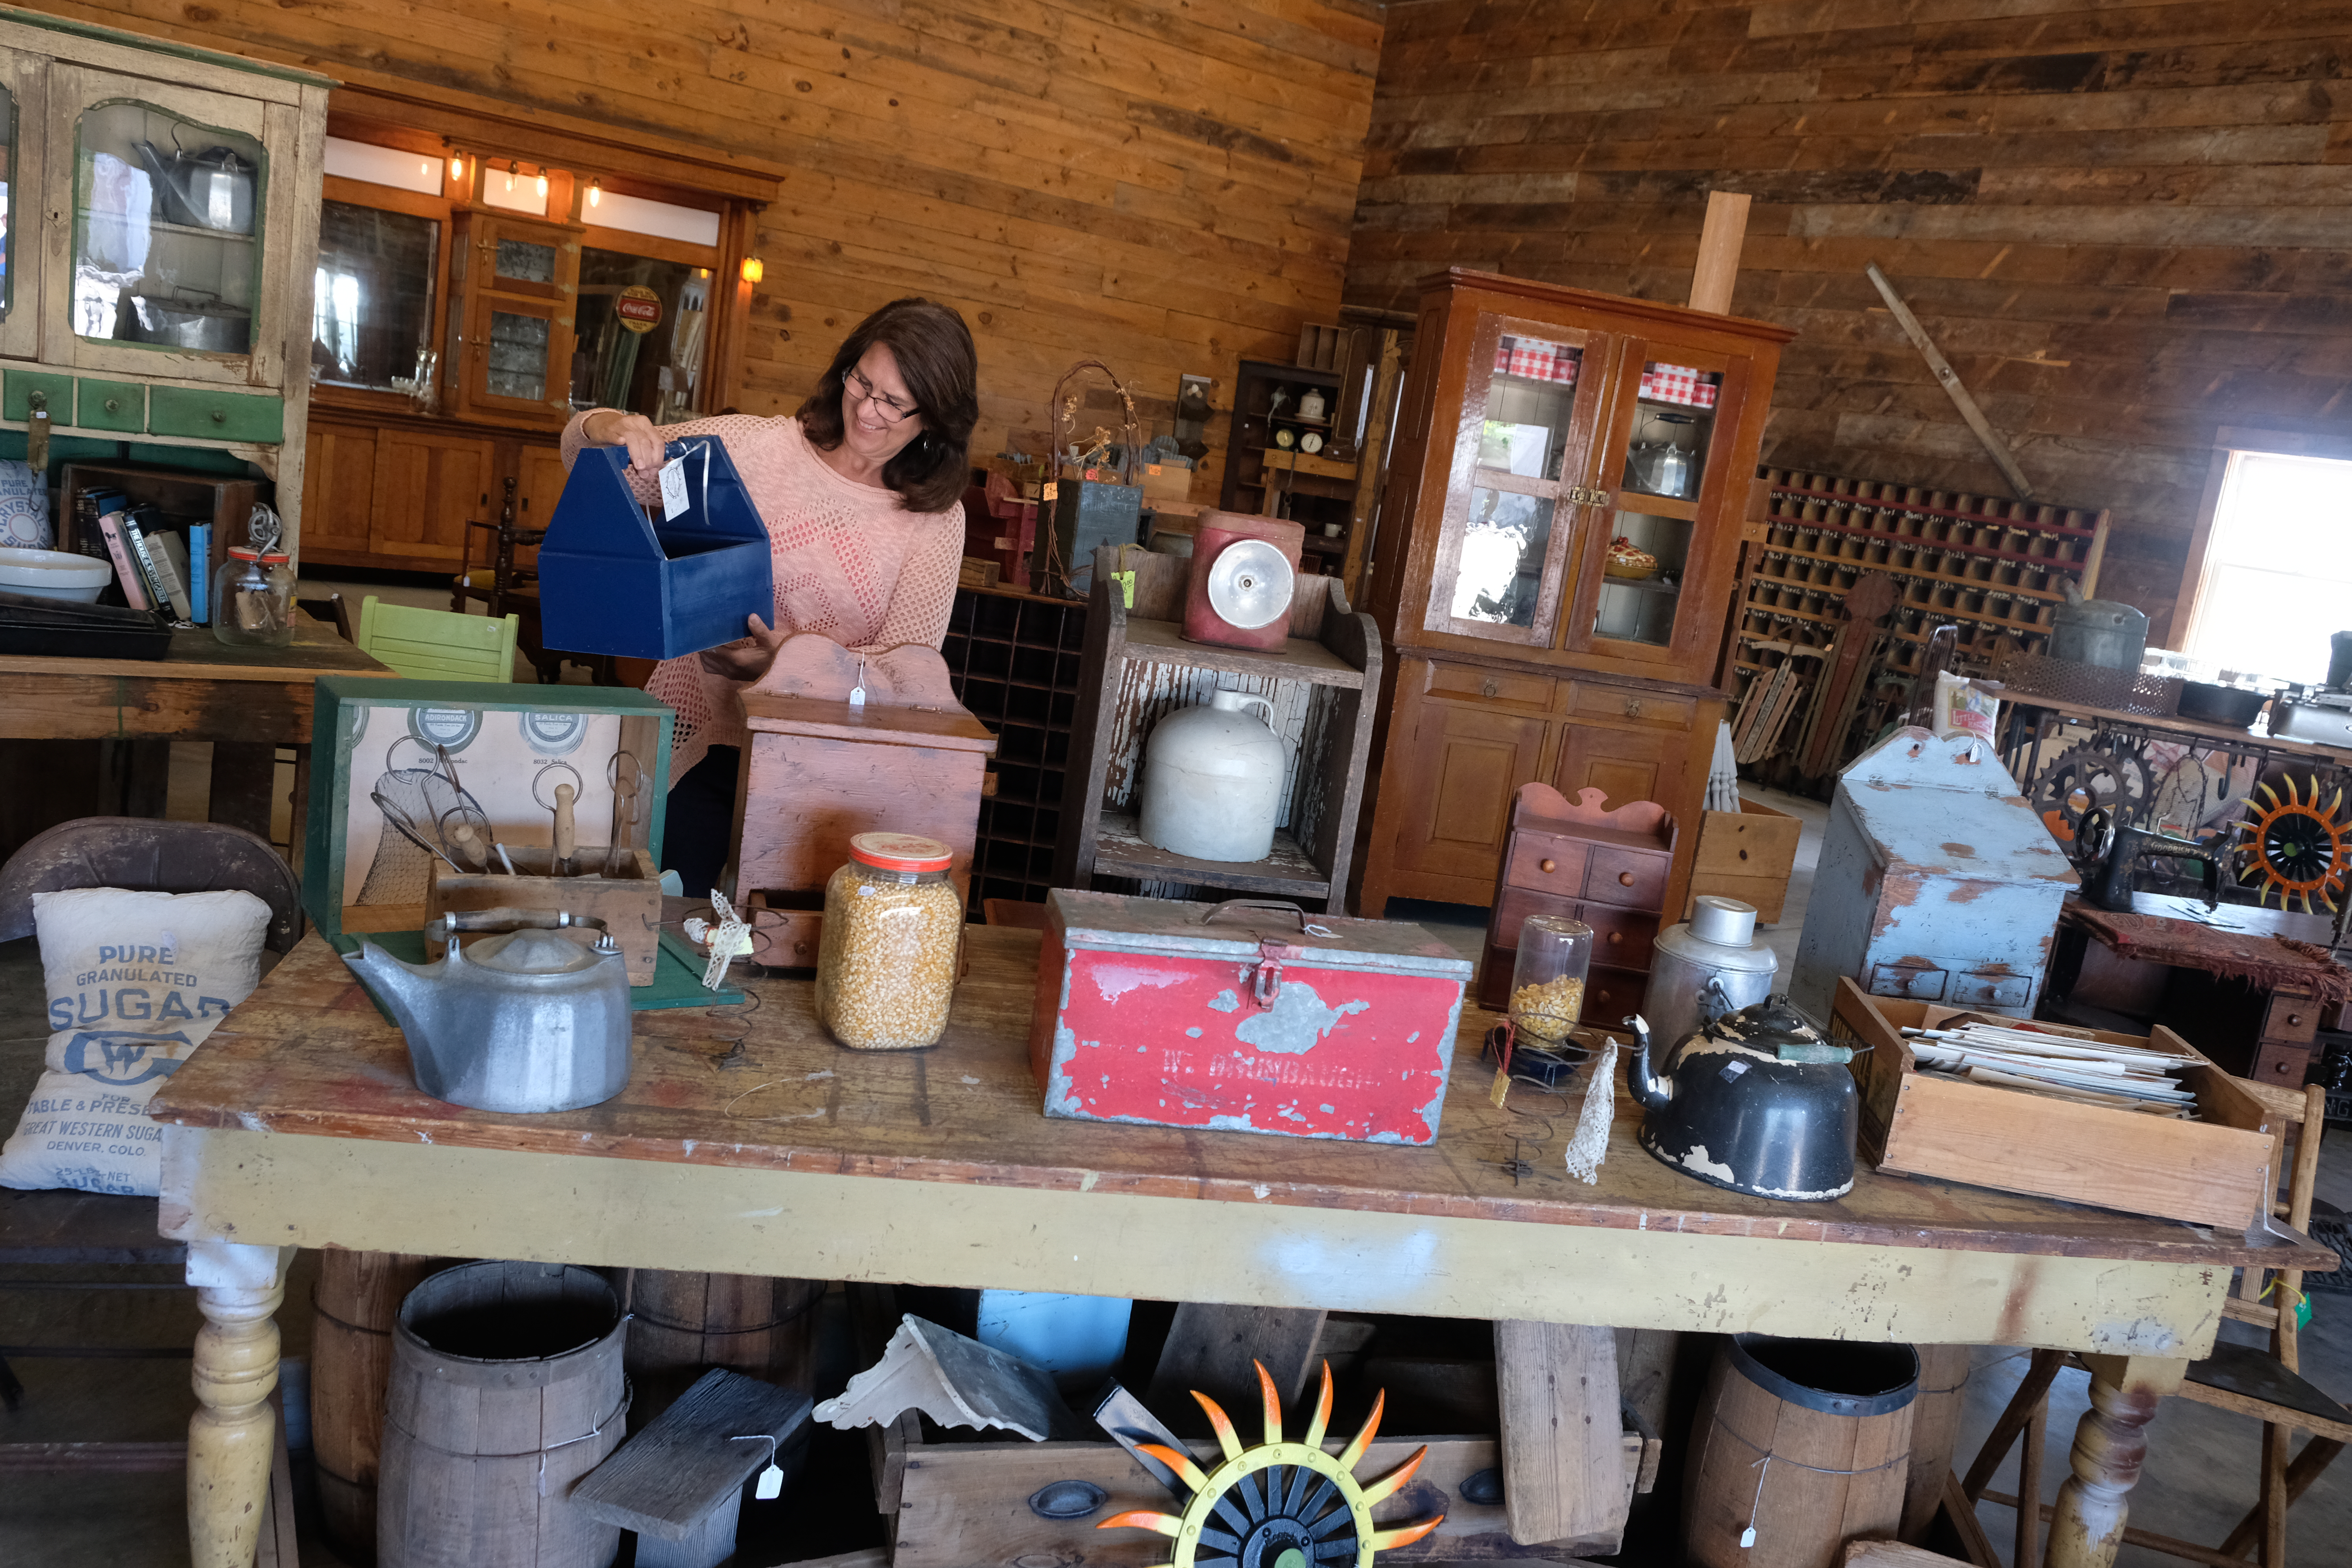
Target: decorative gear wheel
x,y
2294,847
1278,1505
2081,777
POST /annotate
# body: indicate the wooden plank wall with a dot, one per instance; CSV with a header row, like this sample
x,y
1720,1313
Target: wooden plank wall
x,y
2126,225
1163,184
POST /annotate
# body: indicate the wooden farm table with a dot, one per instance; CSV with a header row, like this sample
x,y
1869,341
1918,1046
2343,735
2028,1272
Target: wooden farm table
x,y
750,1144
246,700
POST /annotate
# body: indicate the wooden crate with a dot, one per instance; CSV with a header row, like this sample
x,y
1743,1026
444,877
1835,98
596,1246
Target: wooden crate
x,y
1749,855
966,1505
2213,1171
511,746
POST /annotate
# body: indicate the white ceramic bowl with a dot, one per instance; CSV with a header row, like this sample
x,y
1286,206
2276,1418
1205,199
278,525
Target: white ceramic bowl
x,y
54,574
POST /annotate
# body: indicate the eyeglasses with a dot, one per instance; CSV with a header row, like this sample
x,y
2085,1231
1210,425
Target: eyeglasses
x,y
889,407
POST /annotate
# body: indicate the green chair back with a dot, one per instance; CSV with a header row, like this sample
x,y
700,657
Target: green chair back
x,y
437,645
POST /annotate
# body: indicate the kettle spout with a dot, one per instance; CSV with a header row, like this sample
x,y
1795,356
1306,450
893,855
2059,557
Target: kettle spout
x,y
404,989
1648,1092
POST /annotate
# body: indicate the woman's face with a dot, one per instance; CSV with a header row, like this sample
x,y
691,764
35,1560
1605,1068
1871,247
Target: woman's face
x,y
870,427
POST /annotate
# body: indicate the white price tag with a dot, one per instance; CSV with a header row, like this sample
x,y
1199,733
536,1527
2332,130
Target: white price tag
x,y
673,489
771,1482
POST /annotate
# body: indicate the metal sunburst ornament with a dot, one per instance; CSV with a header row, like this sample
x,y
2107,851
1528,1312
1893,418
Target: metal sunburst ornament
x,y
1278,1505
2294,847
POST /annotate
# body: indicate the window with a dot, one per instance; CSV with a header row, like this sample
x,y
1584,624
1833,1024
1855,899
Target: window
x,y
372,302
2279,541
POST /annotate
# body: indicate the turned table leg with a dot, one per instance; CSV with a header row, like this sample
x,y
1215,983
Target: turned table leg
x,y
2110,1442
230,1437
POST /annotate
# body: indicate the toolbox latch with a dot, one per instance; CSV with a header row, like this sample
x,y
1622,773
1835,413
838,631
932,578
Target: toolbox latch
x,y
1271,957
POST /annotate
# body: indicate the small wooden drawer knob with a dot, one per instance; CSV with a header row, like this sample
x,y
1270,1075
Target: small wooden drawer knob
x,y
2294,1020
1615,937
220,416
1624,878
1547,865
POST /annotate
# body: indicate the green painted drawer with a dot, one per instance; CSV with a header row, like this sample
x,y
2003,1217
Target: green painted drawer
x,y
111,405
16,389
221,416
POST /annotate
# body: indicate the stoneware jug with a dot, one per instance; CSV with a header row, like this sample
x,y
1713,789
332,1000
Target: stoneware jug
x,y
1213,781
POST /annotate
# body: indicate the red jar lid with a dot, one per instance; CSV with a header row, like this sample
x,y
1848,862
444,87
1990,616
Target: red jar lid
x,y
899,852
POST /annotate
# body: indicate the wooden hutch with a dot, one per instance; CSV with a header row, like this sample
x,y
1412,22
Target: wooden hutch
x,y
1538,425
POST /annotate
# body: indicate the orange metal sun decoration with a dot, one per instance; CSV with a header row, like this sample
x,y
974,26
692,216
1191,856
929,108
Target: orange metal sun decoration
x,y
2294,847
1278,1505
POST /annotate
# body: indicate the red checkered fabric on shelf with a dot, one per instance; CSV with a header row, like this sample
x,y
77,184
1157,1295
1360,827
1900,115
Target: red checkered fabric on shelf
x,y
1680,383
1537,360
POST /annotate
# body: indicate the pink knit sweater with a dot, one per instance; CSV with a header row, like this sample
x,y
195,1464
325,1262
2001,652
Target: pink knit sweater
x,y
850,563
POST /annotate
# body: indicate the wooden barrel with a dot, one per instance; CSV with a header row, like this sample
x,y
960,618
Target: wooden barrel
x,y
1934,1428
1799,1447
350,1356
681,1324
506,1388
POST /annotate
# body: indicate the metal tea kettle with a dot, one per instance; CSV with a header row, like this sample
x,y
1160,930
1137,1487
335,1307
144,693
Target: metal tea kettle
x,y
1756,1102
211,189
528,1021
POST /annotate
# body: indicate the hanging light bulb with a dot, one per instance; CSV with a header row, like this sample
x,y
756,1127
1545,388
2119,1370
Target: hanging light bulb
x,y
595,192
456,166
510,174
542,185
753,269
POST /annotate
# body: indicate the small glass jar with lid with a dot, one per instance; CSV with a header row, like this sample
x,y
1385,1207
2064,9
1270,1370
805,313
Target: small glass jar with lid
x,y
886,966
1548,979
253,599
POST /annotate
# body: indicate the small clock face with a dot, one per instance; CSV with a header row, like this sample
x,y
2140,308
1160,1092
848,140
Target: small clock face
x,y
1285,440
1311,442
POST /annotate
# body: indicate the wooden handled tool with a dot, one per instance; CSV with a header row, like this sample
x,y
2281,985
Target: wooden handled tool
x,y
567,836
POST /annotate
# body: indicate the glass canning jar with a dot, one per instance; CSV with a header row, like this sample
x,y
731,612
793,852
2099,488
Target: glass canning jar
x,y
253,599
885,965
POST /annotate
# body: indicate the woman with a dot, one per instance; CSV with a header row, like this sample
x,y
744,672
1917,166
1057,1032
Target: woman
x,y
861,492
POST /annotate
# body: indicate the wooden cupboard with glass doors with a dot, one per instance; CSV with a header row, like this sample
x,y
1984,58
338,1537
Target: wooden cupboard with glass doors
x,y
1554,571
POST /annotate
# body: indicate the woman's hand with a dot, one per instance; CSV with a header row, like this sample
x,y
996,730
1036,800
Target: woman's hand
x,y
610,427
746,660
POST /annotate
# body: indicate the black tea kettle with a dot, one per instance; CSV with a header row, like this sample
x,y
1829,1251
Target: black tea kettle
x,y
1754,1101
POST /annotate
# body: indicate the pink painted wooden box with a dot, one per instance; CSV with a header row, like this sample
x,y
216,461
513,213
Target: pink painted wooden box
x,y
1245,1017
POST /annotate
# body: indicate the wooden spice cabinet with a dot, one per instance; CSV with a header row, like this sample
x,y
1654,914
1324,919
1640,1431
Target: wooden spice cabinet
x,y
1534,429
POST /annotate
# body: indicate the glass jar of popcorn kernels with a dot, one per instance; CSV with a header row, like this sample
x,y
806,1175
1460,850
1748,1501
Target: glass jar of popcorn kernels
x,y
886,965
1548,979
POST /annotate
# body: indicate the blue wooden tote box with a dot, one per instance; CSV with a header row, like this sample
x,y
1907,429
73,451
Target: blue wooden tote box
x,y
613,580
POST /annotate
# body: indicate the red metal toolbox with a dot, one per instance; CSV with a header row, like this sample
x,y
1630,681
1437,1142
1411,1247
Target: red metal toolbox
x,y
1245,1017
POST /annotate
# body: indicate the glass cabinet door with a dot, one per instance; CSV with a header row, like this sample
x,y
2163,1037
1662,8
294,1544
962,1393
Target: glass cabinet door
x,y
518,321
20,186
1502,553
168,193
1660,460
167,230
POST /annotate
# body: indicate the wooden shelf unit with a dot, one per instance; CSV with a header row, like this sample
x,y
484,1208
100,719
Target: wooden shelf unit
x,y
1138,669
1995,567
1013,659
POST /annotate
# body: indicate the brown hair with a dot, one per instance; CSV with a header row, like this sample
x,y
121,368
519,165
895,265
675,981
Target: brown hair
x,y
935,356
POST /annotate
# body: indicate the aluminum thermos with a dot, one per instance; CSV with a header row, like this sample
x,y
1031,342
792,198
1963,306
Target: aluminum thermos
x,y
1715,944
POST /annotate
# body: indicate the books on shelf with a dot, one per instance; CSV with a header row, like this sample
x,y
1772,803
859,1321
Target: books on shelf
x,y
126,567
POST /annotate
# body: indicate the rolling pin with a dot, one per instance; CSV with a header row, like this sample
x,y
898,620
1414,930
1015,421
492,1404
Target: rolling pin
x,y
567,838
